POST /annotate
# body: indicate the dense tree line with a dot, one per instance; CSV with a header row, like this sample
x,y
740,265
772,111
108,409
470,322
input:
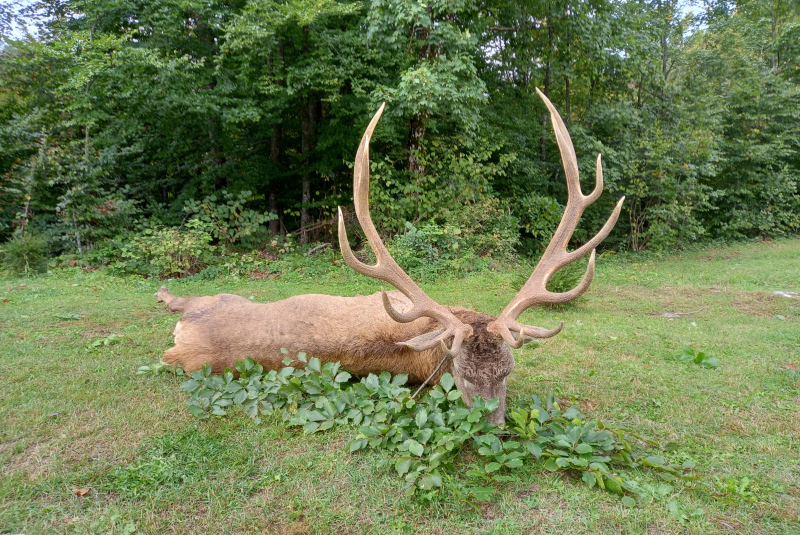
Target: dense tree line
x,y
123,115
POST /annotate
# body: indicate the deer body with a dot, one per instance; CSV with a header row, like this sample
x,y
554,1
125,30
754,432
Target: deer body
x,y
356,331
400,332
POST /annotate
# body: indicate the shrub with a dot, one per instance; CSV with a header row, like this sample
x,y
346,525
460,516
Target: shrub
x,y
427,249
229,220
488,228
539,216
25,254
168,252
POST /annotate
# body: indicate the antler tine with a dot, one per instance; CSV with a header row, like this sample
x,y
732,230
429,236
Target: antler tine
x,y
386,269
556,256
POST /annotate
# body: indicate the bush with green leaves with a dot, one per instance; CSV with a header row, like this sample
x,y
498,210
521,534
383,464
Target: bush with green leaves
x,y
25,254
427,249
425,437
168,252
539,216
488,227
229,220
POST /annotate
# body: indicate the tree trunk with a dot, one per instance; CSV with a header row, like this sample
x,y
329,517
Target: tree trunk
x,y
416,133
272,195
218,159
307,145
546,91
774,17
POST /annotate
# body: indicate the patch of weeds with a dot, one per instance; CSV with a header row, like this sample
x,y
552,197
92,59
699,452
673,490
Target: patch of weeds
x,y
167,462
699,358
159,368
734,490
99,343
682,514
425,437
113,524
792,369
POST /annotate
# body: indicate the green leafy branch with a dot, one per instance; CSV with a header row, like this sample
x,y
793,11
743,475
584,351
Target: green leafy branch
x,y
426,437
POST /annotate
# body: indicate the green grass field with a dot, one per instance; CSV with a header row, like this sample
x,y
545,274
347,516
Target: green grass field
x,y
74,414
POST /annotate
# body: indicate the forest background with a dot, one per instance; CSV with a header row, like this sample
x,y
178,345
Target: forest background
x,y
160,136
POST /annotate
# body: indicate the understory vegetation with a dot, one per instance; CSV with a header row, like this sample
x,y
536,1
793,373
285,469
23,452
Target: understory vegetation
x,y
670,366
162,137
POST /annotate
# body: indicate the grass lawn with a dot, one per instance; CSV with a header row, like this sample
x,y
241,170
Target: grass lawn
x,y
74,414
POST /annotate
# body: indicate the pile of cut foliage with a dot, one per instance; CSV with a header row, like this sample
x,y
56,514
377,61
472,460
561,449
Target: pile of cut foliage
x,y
427,436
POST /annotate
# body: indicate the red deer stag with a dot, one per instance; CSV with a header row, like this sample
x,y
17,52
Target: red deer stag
x,y
401,331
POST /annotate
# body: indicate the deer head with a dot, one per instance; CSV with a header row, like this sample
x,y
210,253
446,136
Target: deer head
x,y
481,351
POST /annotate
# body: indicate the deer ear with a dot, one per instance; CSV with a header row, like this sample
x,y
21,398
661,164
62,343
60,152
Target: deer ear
x,y
419,343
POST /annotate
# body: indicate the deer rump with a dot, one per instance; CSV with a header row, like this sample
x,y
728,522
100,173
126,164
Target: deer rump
x,y
401,332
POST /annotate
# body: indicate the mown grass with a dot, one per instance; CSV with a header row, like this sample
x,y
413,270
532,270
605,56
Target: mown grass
x,y
73,415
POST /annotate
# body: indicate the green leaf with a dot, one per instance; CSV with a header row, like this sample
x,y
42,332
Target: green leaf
x,y
514,463
415,447
421,418
534,449
584,448
402,466
198,411
342,377
613,486
190,385
430,481
240,396
492,404
492,467
589,478
447,382
453,395
627,501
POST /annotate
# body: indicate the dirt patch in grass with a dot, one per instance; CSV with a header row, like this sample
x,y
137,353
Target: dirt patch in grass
x,y
34,461
660,529
95,332
717,255
726,523
641,300
761,304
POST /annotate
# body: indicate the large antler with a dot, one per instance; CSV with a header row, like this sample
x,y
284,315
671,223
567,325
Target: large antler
x,y
556,256
386,269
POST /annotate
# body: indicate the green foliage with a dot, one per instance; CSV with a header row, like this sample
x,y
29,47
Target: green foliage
x,y
488,227
230,221
539,216
567,278
103,120
699,358
426,437
25,254
470,235
428,249
168,252
458,179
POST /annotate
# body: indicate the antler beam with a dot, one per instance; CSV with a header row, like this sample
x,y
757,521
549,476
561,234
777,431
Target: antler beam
x,y
386,269
556,256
